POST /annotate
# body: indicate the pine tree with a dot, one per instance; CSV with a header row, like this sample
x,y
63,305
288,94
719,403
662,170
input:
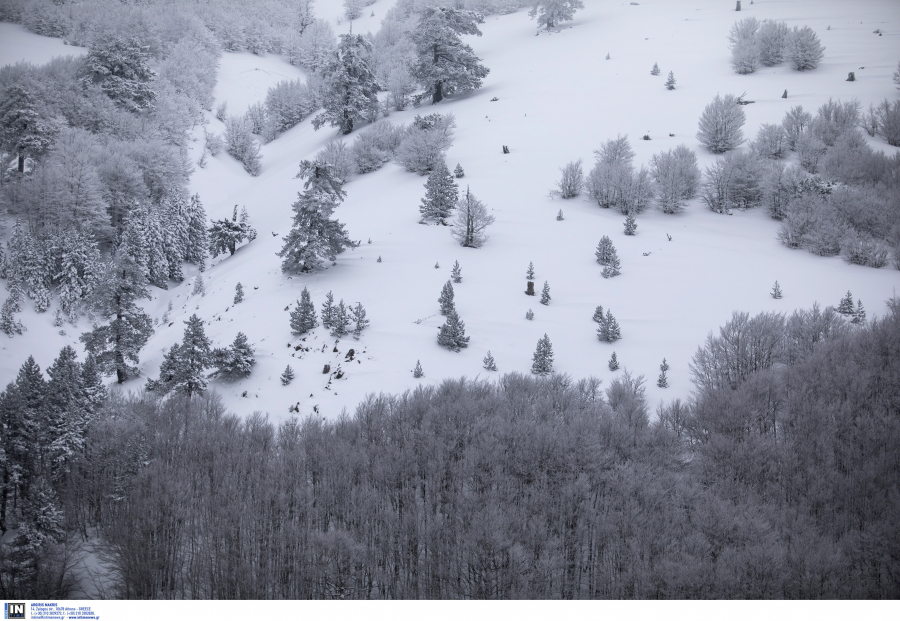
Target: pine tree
x,y
545,294
456,273
238,293
452,334
630,225
550,13
613,362
358,317
9,325
663,381
417,372
327,311
605,250
199,286
79,268
529,315
314,236
612,265
194,357
196,241
94,389
441,193
287,375
22,130
613,333
776,291
168,371
444,64
226,234
121,67
655,70
437,265
175,219
446,299
846,305
859,315
542,361
489,363
670,81
303,317
351,88
340,320
235,361
458,172
598,314
559,216
529,275
67,412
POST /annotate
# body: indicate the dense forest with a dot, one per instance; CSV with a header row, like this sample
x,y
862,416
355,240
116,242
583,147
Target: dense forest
x,y
779,479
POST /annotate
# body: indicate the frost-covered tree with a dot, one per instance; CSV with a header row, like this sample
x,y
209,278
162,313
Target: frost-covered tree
x,y
613,363
358,318
444,64
670,81
720,124
845,306
446,299
9,325
663,380
121,67
425,142
199,286
776,291
352,9
630,225
303,317
772,40
472,219
226,234
452,334
529,315
805,51
327,312
314,235
859,315
529,274
613,183
794,123
545,294
458,172
441,193
417,372
771,142
191,359
550,13
598,314
236,361
605,250
572,180
456,273
238,293
23,130
79,268
351,87
196,242
542,360
488,362
340,320
608,330
897,76
655,69
612,265
676,176
744,45
241,145
287,375
734,181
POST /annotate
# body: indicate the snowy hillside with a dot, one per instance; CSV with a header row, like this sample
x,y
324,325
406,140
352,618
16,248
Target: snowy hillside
x,y
551,97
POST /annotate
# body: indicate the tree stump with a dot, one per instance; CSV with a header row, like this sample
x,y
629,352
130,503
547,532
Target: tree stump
x,y
530,290
851,77
784,95
738,7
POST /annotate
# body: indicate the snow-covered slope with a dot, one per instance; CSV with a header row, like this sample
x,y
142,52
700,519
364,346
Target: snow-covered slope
x,y
558,99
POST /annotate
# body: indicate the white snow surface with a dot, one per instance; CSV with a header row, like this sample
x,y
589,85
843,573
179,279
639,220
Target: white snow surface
x,y
18,45
558,100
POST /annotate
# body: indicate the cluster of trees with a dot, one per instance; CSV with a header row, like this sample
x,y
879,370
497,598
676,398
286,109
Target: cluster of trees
x,y
769,43
777,480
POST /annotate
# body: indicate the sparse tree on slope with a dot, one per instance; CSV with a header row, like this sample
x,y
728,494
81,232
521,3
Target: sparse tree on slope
x,y
472,219
456,273
446,299
542,360
452,334
444,64
358,318
441,193
351,87
550,13
720,124
226,234
236,361
194,357
303,317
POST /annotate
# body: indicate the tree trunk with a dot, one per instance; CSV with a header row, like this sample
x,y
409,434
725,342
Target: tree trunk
x,y
231,247
530,290
21,162
738,7
438,94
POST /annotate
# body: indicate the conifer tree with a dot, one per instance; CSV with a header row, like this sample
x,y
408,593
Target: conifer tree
x,y
550,13
23,131
327,311
194,357
670,81
314,236
94,388
602,327
529,275
598,314
303,317
529,315
175,218
351,88
663,381
458,172
605,250
9,325
545,294
611,268
859,315
630,225
559,216
199,286
489,363
167,372
846,305
452,334
358,318
456,273
446,299
441,193
67,413
287,375
196,242
79,268
613,362
121,67
236,361
226,234
340,320
417,372
776,291
238,293
542,361
655,70
613,333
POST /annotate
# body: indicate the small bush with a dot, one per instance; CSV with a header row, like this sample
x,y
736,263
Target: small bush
x,y
213,142
338,155
862,249
375,146
572,180
770,142
425,142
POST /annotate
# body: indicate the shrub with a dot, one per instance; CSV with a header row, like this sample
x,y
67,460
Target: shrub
x,y
337,154
770,141
780,185
375,146
772,40
834,118
810,150
888,115
794,123
744,46
572,180
863,249
213,142
804,49
677,178
287,104
720,124
733,182
425,142
241,145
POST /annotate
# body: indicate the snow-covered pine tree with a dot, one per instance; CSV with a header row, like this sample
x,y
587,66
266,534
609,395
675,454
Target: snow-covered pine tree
x,y
226,234
472,219
630,225
559,216
720,124
175,221
545,294
859,315
663,380
613,333
437,265
655,70
603,328
670,81
417,372
79,268
287,375
613,363
776,291
194,357
9,325
196,242
446,299
550,13
167,372
529,275
351,88
327,312
30,264
303,317
121,67
441,193
598,314
845,307
153,230
529,315
199,286
23,131
358,318
458,172
236,361
805,51
605,250
456,273
444,64
612,266
542,360
238,293
67,413
340,320
488,362
314,236
452,334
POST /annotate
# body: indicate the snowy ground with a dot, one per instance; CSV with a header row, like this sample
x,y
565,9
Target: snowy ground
x,y
558,100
